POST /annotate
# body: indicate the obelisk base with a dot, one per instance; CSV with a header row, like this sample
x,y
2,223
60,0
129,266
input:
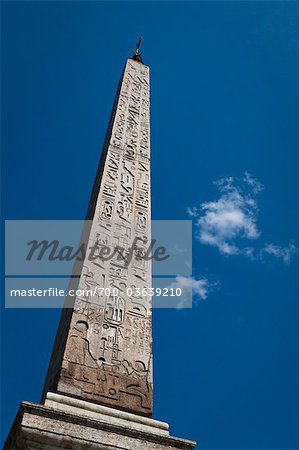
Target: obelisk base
x,y
67,423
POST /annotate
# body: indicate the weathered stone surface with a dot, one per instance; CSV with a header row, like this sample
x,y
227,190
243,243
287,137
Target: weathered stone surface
x,y
106,356
42,427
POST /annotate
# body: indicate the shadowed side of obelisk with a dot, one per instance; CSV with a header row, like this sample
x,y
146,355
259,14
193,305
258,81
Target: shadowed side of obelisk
x,y
103,349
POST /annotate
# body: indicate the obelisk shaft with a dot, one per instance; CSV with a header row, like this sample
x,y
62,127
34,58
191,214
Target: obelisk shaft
x,y
106,353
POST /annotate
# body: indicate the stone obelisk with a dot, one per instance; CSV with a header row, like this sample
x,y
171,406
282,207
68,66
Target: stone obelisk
x,y
106,357
98,391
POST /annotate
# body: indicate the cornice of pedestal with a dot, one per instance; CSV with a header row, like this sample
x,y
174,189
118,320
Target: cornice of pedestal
x,y
39,426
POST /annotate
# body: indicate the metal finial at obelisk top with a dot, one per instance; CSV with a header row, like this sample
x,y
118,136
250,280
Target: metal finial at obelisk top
x,y
137,54
138,46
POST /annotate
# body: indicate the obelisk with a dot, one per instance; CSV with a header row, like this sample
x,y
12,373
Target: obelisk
x,y
107,356
98,390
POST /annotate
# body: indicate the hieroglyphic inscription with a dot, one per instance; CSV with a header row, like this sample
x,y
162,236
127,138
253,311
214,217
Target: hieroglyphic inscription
x,y
108,355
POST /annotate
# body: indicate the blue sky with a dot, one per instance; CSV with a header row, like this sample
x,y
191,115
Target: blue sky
x,y
223,104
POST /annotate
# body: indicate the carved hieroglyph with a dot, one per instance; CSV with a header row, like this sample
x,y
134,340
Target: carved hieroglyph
x,y
107,356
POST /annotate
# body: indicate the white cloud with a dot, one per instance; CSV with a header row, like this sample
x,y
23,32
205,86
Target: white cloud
x,y
250,252
198,289
233,216
229,223
192,212
284,253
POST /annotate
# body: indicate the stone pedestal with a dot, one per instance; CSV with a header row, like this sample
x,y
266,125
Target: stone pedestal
x,y
67,423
